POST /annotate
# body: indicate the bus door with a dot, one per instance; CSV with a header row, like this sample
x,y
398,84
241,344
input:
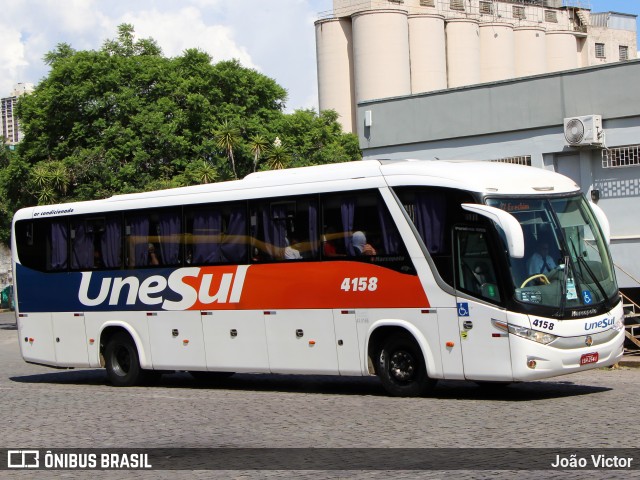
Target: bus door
x,y
485,347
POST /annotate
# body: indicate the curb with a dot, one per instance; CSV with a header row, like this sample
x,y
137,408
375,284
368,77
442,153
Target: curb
x,y
630,362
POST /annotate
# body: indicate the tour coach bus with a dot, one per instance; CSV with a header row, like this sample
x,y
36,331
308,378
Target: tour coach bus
x,y
413,271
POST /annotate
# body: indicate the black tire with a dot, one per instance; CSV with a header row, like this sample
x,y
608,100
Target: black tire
x,y
402,369
122,361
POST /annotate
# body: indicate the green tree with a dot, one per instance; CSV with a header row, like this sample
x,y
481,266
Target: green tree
x,y
316,139
124,119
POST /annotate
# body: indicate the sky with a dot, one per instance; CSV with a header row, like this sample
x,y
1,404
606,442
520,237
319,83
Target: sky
x,y
275,37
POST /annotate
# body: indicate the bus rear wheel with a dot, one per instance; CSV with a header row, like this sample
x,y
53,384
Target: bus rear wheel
x,y
122,361
401,367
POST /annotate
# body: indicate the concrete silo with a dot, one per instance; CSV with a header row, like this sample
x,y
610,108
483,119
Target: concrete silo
x,y
381,54
427,50
530,51
497,52
335,69
463,52
562,50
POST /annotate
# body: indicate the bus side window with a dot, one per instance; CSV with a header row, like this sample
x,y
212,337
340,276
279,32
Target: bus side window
x,y
475,272
38,244
154,238
433,211
359,226
216,234
284,229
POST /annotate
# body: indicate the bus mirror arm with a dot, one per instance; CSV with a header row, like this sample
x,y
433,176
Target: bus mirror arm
x,y
507,222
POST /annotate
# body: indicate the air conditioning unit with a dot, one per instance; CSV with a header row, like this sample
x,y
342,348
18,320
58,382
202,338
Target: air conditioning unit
x,y
585,130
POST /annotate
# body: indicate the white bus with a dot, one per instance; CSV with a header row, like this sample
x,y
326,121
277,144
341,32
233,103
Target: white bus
x,y
413,271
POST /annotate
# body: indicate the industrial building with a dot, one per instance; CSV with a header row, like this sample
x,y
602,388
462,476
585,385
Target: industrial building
x,y
378,49
544,83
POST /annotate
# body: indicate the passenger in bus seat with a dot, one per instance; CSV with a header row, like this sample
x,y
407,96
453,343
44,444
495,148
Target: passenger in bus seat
x,y
360,244
153,257
291,253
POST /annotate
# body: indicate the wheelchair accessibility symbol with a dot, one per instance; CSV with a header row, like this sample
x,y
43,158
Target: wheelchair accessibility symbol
x,y
586,297
463,309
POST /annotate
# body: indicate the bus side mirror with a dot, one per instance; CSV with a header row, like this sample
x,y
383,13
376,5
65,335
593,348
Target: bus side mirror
x,y
603,221
507,222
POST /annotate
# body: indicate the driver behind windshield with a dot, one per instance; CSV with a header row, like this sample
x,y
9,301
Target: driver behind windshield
x,y
541,261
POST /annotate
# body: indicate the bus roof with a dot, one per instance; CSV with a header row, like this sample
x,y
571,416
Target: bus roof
x,y
476,176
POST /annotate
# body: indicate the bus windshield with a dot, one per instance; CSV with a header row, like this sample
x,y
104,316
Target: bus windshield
x,y
566,263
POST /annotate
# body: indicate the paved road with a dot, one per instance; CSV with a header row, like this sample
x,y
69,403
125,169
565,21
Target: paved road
x,y
47,408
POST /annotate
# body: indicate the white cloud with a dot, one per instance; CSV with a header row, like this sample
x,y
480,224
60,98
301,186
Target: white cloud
x,y
12,58
176,31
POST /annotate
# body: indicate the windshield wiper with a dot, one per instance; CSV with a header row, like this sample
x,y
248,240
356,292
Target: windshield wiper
x,y
563,286
582,262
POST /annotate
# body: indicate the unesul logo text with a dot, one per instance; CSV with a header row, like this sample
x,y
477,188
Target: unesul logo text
x,y
150,290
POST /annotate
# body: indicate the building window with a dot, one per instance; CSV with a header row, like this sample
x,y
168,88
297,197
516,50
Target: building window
x,y
619,157
457,5
600,50
624,52
486,8
519,160
518,12
550,16
427,3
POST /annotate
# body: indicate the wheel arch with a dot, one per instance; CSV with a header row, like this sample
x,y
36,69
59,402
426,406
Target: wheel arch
x,y
109,329
383,329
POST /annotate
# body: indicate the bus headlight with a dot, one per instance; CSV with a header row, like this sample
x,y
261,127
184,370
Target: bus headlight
x,y
529,334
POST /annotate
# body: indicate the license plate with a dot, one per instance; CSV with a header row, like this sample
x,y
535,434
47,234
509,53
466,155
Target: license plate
x,y
589,358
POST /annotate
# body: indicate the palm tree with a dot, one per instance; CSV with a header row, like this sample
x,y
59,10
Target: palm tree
x,y
204,172
259,145
59,177
227,137
48,179
278,157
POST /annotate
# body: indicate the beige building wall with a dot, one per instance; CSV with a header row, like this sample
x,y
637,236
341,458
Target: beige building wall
x,y
427,50
414,46
497,52
562,51
335,70
463,52
530,51
381,54
611,40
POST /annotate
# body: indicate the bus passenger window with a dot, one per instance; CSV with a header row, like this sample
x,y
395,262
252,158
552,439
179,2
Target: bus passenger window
x,y
96,243
216,233
360,227
285,229
42,244
58,246
153,238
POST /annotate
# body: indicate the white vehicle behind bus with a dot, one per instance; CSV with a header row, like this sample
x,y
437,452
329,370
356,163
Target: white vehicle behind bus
x,y
413,271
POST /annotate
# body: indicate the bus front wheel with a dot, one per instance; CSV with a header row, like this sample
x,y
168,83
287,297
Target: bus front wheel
x,y
401,367
122,361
